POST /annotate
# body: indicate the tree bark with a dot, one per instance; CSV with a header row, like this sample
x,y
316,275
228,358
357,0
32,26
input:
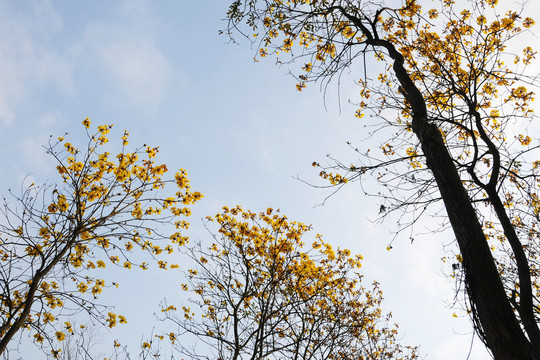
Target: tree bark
x,y
496,319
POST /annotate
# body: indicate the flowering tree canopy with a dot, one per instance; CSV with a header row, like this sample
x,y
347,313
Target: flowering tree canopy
x,y
454,99
261,293
55,239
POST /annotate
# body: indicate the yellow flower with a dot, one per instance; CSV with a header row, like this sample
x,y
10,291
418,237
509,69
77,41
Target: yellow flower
x,y
62,204
44,233
69,327
528,22
82,287
47,317
104,129
39,338
152,152
112,320
524,140
60,335
125,138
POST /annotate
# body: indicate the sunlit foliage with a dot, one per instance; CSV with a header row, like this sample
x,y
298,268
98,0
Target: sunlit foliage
x,y
448,91
259,292
55,240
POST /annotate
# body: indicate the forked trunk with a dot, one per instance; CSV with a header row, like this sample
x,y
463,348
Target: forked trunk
x,y
493,313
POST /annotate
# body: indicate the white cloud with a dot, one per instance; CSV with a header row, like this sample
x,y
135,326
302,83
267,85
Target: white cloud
x,y
133,7
46,20
25,58
10,87
139,70
35,158
135,69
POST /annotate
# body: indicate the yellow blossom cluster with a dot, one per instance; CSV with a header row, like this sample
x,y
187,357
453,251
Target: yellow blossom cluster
x,y
260,272
106,209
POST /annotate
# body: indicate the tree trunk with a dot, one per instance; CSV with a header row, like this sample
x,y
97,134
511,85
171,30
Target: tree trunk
x,y
494,315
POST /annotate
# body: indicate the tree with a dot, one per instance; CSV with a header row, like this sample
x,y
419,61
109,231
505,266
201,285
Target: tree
x,y
455,100
264,294
56,239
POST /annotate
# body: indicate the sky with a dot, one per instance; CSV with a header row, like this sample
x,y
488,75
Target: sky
x,y
160,70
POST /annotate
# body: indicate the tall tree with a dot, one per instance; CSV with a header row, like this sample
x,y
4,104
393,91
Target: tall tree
x,y
456,97
55,239
260,292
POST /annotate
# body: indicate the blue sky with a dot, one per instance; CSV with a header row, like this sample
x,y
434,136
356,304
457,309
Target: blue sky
x,y
243,132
